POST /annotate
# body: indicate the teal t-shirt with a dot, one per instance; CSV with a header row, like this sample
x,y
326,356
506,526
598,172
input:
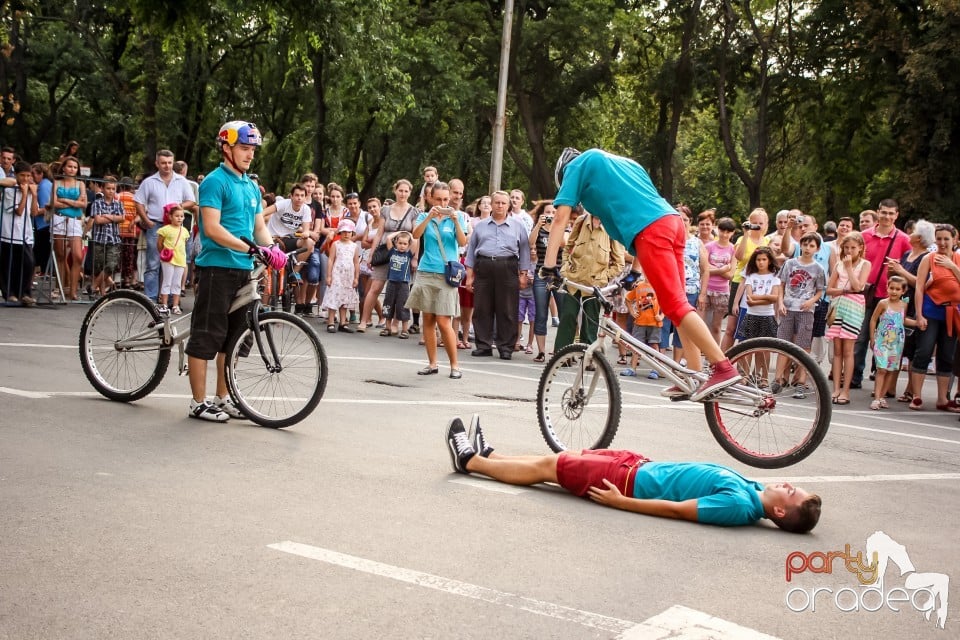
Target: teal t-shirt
x,y
238,199
724,497
432,260
615,189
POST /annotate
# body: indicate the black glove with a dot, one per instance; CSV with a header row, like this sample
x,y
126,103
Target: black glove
x,y
551,275
630,280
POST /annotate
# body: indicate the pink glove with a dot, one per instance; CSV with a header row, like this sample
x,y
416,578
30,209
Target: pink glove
x,y
276,258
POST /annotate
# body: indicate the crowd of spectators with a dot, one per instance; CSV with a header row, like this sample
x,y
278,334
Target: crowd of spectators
x,y
860,294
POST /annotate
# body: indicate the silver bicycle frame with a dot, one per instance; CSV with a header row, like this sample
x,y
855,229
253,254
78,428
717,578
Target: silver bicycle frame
x,y
173,334
686,379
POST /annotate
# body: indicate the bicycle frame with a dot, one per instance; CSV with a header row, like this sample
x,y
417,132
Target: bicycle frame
x,y
686,379
173,334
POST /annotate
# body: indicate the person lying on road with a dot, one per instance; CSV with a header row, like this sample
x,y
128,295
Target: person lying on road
x,y
699,492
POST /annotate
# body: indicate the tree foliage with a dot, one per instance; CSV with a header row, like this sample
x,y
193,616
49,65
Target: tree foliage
x,y
825,105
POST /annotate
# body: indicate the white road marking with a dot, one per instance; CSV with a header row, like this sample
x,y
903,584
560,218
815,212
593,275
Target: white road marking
x,y
456,587
675,622
33,395
30,345
873,478
489,485
689,624
40,395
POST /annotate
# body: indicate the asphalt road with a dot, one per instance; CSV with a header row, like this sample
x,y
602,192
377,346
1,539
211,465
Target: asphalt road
x,y
132,521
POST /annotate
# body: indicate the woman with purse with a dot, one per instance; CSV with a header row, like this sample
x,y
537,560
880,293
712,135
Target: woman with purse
x,y
396,217
441,230
938,320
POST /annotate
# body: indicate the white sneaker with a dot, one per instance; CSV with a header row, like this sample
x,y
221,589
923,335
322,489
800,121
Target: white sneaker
x,y
206,410
226,405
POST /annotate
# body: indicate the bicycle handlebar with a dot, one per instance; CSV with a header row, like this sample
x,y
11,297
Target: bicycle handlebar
x,y
258,254
604,291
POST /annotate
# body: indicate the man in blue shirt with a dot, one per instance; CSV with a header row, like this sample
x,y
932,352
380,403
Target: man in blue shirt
x,y
230,209
698,492
498,266
619,192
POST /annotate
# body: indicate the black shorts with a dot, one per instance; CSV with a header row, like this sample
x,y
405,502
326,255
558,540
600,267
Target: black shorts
x,y
212,324
820,318
289,243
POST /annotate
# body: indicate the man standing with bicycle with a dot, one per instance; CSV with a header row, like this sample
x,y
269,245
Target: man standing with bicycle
x,y
230,209
619,192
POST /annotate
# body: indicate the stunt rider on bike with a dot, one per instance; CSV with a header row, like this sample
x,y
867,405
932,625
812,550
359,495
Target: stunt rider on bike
x,y
230,209
619,192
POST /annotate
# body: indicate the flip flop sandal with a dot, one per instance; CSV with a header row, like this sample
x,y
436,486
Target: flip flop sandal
x,y
916,404
843,400
906,396
622,360
385,333
528,350
403,335
950,406
540,357
875,405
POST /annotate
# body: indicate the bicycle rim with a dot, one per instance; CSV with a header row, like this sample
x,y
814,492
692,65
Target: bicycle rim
x,y
277,398
578,408
797,410
122,374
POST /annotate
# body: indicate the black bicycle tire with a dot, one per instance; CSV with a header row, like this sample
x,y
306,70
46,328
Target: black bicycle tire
x,y
824,408
163,355
614,404
319,387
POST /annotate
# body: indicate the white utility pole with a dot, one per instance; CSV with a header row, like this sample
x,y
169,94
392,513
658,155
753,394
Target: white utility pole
x,y
499,125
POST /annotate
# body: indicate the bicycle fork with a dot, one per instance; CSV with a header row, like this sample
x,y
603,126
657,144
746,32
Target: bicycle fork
x,y
272,360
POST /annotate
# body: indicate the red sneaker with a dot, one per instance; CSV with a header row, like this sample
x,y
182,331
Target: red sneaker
x,y
722,376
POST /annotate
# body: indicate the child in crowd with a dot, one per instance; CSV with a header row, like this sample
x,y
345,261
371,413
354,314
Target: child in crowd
x,y
804,282
129,232
846,286
722,265
343,275
106,215
527,311
647,322
18,208
172,244
399,265
430,175
887,336
761,291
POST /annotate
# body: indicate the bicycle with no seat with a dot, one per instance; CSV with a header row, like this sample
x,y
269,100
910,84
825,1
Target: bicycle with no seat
x,y
760,421
276,367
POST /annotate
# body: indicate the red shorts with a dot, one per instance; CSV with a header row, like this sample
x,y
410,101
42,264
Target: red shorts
x,y
466,299
577,473
659,249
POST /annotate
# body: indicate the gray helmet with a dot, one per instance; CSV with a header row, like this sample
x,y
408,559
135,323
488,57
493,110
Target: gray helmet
x,y
566,156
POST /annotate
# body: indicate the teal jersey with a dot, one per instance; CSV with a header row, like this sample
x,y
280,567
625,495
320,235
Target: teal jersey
x,y
615,189
723,496
238,199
